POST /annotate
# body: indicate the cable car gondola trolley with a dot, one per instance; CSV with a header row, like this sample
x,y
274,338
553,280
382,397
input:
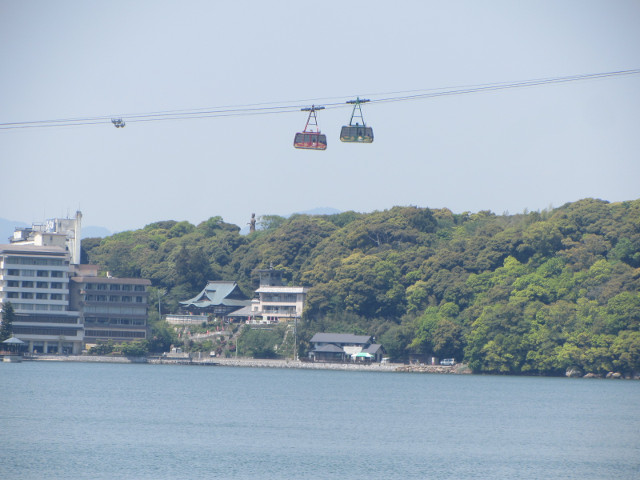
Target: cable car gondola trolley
x,y
118,122
311,138
356,133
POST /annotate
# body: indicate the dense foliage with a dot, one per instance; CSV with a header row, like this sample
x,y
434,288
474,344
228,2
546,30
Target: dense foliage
x,y
536,292
6,326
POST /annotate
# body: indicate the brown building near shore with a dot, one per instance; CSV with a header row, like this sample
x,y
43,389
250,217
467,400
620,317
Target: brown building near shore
x,y
110,308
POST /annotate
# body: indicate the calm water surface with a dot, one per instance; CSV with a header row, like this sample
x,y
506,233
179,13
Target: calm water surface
x,y
104,421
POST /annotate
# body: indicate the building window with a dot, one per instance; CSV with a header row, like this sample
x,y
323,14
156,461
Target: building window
x,y
56,285
114,287
42,284
57,274
42,296
139,299
56,296
126,299
14,272
27,284
113,298
13,283
139,288
42,273
102,286
13,295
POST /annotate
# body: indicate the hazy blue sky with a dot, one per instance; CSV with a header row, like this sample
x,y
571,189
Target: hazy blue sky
x,y
503,151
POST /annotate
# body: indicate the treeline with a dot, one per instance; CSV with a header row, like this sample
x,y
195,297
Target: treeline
x,y
537,292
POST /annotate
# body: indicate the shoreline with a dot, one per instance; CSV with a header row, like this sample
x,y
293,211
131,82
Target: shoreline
x,y
258,363
458,369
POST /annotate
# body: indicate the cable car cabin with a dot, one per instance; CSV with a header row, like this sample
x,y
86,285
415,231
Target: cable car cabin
x,y
310,141
356,134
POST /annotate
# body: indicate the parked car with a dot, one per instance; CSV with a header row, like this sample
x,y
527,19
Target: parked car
x,y
448,361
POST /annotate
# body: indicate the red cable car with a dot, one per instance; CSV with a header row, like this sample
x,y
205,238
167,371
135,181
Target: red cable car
x,y
311,138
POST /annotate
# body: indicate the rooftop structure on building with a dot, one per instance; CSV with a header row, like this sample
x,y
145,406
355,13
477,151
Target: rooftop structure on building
x,y
59,232
270,277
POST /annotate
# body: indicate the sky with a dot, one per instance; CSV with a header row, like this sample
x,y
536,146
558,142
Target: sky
x,y
506,151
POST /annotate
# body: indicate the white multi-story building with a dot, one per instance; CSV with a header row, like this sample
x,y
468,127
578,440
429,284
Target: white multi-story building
x,y
35,279
277,302
60,305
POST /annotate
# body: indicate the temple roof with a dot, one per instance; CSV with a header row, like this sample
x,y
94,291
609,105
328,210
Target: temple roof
x,y
218,293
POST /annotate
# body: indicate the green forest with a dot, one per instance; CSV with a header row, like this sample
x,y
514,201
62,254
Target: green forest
x,y
532,293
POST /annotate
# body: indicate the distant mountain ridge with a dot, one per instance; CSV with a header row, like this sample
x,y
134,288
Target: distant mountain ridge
x,y
321,211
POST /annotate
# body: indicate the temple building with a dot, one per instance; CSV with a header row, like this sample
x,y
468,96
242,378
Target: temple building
x,y
218,298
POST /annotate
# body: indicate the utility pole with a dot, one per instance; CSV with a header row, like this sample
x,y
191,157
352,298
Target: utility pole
x,y
295,338
161,292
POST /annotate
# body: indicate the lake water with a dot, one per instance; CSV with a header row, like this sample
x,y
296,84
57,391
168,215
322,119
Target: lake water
x,y
120,421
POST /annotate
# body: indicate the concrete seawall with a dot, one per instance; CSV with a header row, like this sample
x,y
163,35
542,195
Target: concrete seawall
x,y
256,363
85,358
264,363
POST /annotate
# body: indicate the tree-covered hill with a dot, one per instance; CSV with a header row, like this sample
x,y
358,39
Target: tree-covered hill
x,y
537,292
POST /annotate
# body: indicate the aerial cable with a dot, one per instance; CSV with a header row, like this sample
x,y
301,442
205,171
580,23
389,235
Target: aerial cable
x,y
502,86
271,108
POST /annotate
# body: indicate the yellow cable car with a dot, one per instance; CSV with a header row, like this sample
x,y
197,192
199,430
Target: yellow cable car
x,y
356,133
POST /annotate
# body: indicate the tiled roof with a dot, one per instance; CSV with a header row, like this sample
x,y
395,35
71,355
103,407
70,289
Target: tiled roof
x,y
330,348
112,280
29,249
242,312
373,349
341,338
217,293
